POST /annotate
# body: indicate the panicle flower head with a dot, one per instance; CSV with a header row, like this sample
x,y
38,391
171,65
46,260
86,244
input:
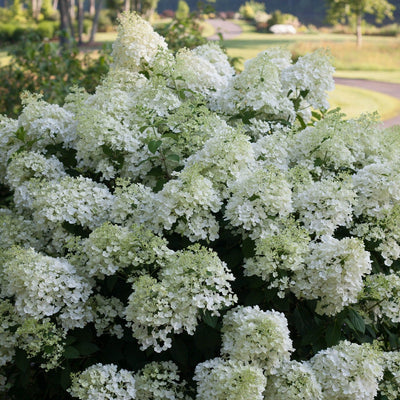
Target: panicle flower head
x,y
42,338
159,381
258,198
348,371
194,281
32,165
103,382
79,200
293,381
256,336
333,273
137,44
111,248
311,76
381,296
220,379
43,286
46,124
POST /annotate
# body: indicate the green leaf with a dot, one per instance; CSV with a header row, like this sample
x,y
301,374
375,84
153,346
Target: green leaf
x,y
21,360
21,134
333,334
210,320
355,321
71,352
173,157
154,145
86,348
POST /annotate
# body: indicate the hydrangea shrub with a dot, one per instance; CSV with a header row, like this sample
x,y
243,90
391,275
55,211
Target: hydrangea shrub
x,y
186,232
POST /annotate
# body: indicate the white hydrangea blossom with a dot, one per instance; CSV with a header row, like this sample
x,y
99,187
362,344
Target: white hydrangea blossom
x,y
46,123
257,199
325,205
103,382
16,230
333,144
134,203
194,73
272,149
111,248
378,188
74,200
188,202
311,74
224,158
9,321
104,311
348,371
137,44
333,273
255,336
259,88
381,296
195,280
43,286
389,386
220,379
159,381
42,338
28,165
279,252
293,381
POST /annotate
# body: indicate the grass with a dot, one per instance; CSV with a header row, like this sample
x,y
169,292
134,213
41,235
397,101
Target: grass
x,y
355,101
379,53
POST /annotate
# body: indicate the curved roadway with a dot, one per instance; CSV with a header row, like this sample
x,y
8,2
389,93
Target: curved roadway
x,y
230,30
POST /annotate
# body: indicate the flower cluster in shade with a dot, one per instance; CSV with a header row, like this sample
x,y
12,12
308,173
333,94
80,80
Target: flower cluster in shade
x,y
181,146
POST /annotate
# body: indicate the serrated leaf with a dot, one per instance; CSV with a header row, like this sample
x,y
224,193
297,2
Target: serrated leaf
x,y
71,352
154,145
21,134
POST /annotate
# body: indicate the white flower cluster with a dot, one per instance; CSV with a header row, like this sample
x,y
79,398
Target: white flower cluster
x,y
293,381
193,281
46,124
43,286
381,296
229,379
103,382
325,205
333,273
137,44
348,371
159,381
278,254
257,337
79,201
257,199
390,385
181,146
111,248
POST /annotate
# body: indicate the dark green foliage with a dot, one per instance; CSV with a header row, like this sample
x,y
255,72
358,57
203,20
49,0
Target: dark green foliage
x,y
44,67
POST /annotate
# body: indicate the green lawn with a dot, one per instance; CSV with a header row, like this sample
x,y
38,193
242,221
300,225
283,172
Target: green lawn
x,y
354,101
379,53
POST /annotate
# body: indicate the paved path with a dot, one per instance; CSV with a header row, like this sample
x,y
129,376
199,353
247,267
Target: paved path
x,y
228,29
391,89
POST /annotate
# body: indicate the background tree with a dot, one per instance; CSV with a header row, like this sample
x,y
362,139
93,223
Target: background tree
x,y
343,10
